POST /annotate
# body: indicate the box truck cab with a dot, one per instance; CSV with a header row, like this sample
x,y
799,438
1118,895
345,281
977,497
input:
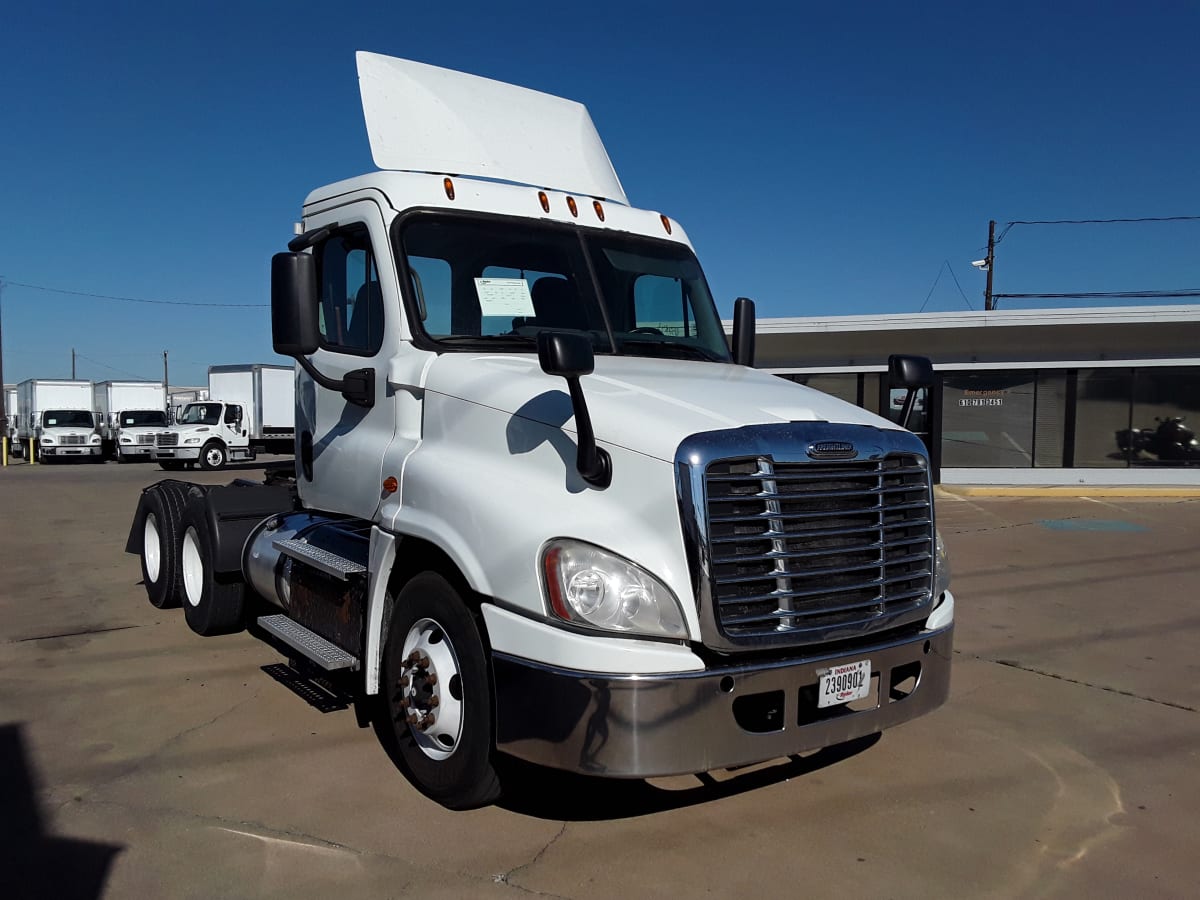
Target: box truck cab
x,y
540,507
130,415
251,410
56,417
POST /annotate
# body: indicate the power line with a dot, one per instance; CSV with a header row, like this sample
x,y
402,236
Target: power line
x,y
97,362
52,290
1008,225
1102,295
945,266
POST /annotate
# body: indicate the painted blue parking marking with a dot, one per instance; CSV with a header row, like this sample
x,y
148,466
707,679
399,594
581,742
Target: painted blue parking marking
x,y
1090,525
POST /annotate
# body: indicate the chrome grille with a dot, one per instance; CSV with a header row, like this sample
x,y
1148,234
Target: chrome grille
x,y
167,439
806,552
72,439
145,439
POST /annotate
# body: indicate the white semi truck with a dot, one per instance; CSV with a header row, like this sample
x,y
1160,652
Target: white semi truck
x,y
56,416
251,409
130,415
539,506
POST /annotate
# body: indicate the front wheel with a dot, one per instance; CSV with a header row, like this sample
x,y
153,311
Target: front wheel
x,y
438,700
213,456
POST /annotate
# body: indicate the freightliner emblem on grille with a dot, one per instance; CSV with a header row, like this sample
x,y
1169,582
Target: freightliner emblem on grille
x,y
832,450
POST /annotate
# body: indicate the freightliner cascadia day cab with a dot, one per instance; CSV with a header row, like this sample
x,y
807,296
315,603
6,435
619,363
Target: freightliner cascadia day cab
x,y
251,409
539,508
130,414
57,416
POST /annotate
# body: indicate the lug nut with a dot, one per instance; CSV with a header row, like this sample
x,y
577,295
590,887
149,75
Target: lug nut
x,y
433,702
431,678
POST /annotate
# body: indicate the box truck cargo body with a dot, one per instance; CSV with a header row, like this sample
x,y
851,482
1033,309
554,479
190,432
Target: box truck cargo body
x,y
56,415
130,414
250,409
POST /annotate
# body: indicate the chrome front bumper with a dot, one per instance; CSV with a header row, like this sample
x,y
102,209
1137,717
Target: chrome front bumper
x,y
71,450
641,726
190,454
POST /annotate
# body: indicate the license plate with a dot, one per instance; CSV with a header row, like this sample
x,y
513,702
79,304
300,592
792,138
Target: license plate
x,y
845,683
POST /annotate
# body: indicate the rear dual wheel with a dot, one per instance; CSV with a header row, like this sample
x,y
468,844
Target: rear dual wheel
x,y
163,506
211,604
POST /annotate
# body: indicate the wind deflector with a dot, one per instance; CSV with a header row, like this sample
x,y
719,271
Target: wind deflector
x,y
422,118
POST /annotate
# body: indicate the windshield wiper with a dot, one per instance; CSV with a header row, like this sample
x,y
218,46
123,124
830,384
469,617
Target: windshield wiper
x,y
674,348
477,340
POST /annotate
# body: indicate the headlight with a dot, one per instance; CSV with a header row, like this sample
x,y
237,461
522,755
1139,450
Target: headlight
x,y
941,568
192,441
47,440
594,587
126,440
95,438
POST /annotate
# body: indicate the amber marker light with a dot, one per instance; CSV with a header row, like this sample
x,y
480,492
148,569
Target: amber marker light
x,y
599,210
573,207
544,200
390,484
449,186
666,223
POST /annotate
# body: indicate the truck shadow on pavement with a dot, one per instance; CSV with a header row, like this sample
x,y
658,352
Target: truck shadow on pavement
x,y
564,796
42,865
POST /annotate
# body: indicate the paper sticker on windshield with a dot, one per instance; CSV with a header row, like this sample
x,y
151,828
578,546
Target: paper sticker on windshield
x,y
504,297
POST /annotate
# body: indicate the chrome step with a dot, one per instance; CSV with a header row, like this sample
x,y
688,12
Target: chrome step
x,y
329,563
328,656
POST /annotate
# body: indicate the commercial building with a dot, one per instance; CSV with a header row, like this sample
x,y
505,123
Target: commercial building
x,y
1037,396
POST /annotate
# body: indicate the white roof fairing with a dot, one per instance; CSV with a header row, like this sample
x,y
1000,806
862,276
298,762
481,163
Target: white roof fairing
x,y
422,118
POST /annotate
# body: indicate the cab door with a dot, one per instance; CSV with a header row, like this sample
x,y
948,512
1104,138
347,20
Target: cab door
x,y
342,445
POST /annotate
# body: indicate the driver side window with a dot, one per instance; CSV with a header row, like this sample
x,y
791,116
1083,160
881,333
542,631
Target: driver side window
x,y
351,304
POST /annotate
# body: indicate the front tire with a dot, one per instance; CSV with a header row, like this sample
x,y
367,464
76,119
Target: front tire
x,y
211,605
438,698
213,456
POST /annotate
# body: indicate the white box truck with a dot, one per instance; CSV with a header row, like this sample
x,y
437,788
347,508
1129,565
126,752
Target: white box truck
x,y
130,414
56,416
250,410
540,506
10,412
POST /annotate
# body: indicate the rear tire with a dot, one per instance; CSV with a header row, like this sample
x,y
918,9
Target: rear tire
x,y
442,725
163,505
211,605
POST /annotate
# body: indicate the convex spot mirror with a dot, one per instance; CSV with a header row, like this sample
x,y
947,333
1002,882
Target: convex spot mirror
x,y
909,371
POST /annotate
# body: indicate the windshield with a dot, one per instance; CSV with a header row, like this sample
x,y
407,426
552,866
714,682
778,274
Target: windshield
x,y
494,284
201,414
66,418
142,417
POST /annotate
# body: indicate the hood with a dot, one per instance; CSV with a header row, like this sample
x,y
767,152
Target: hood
x,y
645,405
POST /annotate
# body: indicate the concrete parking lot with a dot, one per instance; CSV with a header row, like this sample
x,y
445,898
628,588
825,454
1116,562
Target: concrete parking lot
x,y
140,760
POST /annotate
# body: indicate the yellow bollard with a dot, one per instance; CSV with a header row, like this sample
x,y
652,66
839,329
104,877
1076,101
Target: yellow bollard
x,y
30,457
4,451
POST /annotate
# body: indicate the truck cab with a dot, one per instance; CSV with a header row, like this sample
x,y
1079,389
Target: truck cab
x,y
66,433
541,506
209,433
132,432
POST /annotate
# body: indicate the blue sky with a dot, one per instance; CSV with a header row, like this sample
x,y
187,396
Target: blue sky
x,y
825,158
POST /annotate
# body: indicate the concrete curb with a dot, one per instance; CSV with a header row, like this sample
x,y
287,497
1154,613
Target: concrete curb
x,y
1069,490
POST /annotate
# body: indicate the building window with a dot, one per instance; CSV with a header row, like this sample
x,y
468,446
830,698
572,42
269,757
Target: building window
x,y
987,419
1102,408
1166,411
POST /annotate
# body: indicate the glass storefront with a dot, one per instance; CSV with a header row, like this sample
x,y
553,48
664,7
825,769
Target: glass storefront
x,y
1112,417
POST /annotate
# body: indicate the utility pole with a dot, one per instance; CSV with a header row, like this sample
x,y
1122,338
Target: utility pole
x,y
989,302
166,381
72,363
3,393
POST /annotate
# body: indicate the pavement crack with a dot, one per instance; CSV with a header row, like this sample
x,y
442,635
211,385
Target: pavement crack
x,y
505,878
1013,664
67,634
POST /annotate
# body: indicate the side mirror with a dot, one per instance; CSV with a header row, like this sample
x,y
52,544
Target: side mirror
x,y
295,329
911,373
570,356
743,331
